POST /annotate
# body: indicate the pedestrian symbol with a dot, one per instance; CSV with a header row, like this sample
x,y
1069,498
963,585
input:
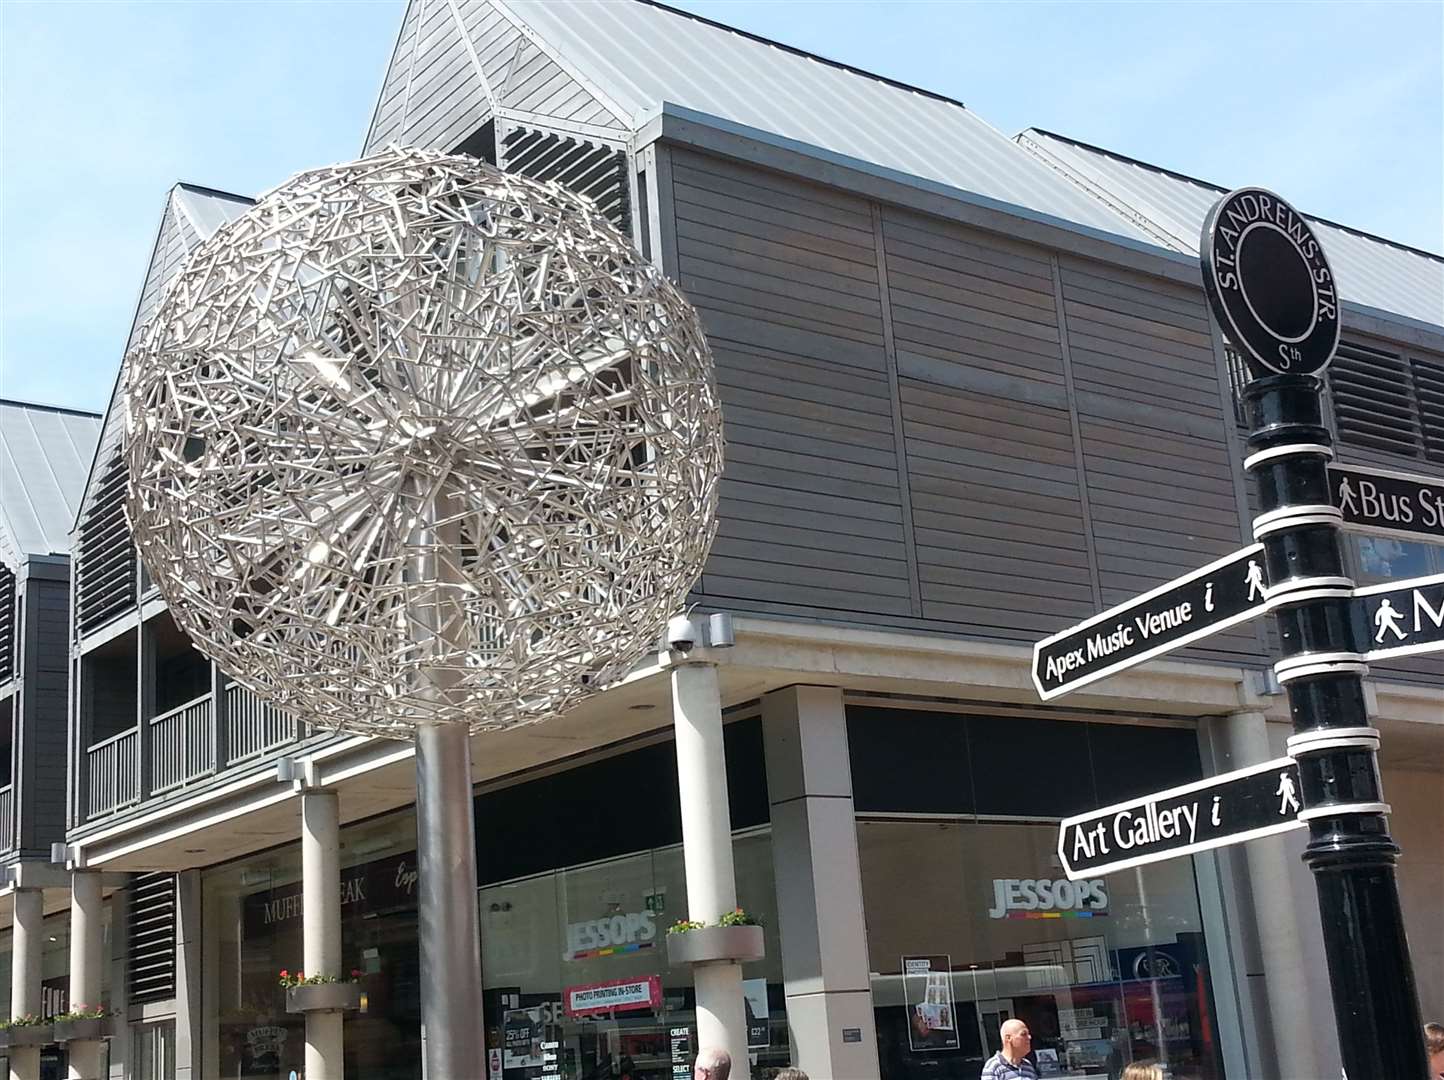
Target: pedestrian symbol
x,y
1254,581
1346,497
1288,800
1387,620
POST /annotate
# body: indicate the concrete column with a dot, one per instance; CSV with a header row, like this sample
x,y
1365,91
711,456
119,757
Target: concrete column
x,y
85,1057
1293,1024
707,852
25,974
321,912
819,883
188,966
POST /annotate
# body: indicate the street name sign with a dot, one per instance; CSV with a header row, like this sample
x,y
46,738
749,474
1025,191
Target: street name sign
x,y
1210,599
1269,283
1402,617
1242,805
1383,501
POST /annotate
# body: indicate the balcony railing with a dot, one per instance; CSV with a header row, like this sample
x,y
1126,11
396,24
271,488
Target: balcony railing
x,y
182,749
114,771
182,745
7,817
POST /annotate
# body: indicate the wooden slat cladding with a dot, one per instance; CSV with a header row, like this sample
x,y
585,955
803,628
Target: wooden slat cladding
x,y
1429,392
8,629
1373,400
785,278
105,557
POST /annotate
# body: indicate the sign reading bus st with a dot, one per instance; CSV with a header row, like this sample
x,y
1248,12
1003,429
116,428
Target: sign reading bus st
x,y
1242,805
1218,596
1387,502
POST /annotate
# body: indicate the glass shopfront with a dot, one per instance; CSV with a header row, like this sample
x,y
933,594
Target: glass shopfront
x,y
581,874
964,810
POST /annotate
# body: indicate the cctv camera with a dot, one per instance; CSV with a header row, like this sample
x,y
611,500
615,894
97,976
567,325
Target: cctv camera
x,y
681,633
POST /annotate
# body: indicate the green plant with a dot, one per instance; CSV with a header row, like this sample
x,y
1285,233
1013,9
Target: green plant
x,y
737,917
682,926
82,1012
289,979
24,1020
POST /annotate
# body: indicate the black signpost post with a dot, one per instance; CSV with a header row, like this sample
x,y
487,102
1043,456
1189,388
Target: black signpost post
x,y
1273,293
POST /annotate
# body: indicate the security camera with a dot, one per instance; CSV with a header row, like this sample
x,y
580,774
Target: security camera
x,y
681,634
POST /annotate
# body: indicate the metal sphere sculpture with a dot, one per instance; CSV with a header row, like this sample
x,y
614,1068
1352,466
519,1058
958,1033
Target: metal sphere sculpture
x,y
416,441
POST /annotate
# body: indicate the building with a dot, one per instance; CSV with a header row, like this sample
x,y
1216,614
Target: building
x,y
973,394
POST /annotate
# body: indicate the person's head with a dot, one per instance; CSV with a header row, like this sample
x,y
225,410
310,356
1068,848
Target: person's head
x,y
1434,1044
790,1073
713,1063
1142,1070
1017,1039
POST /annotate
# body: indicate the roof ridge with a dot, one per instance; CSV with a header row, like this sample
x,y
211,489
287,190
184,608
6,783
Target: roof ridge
x,y
841,65
202,189
47,407
1223,190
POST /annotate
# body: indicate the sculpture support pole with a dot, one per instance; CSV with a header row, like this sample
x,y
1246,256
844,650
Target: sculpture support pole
x,y
321,934
451,1020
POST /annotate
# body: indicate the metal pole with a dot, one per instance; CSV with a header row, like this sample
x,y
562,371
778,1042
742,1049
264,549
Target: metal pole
x,y
321,925
450,940
1350,851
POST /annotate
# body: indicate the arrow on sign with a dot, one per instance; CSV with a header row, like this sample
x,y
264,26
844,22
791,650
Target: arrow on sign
x,y
1383,501
1218,596
1402,617
1242,805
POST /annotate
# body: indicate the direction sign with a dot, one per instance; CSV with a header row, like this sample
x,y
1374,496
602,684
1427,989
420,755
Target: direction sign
x,y
1204,602
1269,283
1242,805
1384,501
1402,617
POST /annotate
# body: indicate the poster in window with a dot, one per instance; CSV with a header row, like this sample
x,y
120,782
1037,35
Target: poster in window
x,y
522,1031
928,995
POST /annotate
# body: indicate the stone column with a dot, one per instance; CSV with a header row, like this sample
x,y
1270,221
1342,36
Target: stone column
x,y
819,883
1294,1022
85,1057
25,975
321,913
707,852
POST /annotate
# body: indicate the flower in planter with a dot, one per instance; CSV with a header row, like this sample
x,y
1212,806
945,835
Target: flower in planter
x,y
83,1012
682,926
289,979
738,917
23,1020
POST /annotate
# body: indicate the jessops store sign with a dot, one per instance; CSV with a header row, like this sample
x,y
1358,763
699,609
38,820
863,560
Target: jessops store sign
x,y
1048,898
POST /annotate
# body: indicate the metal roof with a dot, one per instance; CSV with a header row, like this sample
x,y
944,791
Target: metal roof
x,y
1170,208
45,453
635,56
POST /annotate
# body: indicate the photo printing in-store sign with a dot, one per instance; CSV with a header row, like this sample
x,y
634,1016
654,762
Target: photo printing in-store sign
x,y
1269,283
1384,501
1257,801
1402,617
1220,595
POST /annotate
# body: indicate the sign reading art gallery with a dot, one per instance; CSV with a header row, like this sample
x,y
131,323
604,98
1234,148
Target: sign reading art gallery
x,y
1241,805
1269,283
1218,596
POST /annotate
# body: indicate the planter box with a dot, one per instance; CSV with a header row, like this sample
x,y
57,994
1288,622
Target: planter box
x,y
716,945
33,1035
323,997
100,1027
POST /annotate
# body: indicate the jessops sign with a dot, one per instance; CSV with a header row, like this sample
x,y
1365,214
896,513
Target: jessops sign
x,y
1269,281
1048,898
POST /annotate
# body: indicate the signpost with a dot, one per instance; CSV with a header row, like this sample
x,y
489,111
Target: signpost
x,y
1204,602
1258,801
1272,291
1398,504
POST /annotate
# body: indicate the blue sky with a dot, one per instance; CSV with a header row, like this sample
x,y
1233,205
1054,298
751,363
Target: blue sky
x,y
1338,106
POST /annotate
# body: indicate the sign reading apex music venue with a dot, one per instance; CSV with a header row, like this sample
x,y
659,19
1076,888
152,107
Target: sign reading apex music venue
x,y
1204,602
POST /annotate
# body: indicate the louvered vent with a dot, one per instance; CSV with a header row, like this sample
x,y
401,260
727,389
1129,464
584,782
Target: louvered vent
x,y
1429,387
105,555
1238,378
7,624
150,925
591,169
1374,401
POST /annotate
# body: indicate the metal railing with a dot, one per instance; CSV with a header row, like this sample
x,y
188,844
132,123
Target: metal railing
x,y
7,817
114,773
182,745
253,726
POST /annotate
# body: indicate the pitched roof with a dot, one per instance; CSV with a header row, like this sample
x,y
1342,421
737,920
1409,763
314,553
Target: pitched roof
x,y
1170,208
615,65
44,455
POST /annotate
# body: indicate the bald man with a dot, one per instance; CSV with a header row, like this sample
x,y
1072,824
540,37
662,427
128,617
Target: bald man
x,y
1012,1061
713,1063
